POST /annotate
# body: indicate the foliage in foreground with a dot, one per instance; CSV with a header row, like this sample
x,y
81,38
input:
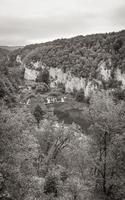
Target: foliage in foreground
x,y
55,161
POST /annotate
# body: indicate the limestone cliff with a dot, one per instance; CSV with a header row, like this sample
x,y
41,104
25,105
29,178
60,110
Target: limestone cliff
x,y
30,74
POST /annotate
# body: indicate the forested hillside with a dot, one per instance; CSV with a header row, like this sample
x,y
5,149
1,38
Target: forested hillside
x,y
10,78
3,54
57,140
81,54
99,59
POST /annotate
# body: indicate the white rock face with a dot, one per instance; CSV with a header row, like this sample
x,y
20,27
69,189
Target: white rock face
x,y
71,82
88,89
30,74
105,73
120,77
37,64
18,59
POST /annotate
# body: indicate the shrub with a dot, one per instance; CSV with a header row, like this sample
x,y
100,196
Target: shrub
x,y
63,176
51,184
38,114
2,91
41,89
80,97
119,94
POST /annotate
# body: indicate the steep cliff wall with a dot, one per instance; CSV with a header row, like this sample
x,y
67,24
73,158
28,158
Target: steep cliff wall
x,y
30,74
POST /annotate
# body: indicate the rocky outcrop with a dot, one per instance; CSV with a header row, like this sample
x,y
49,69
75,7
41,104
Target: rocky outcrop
x,y
104,72
18,59
71,82
120,77
30,74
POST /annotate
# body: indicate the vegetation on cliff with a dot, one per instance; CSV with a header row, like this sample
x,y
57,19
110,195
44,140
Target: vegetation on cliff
x,y
43,156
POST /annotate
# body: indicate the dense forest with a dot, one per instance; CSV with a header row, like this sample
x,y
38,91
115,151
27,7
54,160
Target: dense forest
x,y
81,55
56,145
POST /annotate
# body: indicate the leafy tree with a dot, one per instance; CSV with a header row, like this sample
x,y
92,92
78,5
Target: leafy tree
x,y
19,149
42,88
117,45
51,184
107,132
80,97
2,91
38,114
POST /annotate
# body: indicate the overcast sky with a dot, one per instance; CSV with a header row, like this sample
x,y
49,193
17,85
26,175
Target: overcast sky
x,y
32,21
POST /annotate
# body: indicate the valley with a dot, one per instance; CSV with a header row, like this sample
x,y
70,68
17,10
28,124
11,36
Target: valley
x,y
62,116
